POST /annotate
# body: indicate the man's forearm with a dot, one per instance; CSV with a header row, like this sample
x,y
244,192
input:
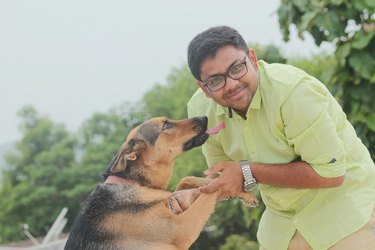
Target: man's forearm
x,y
292,175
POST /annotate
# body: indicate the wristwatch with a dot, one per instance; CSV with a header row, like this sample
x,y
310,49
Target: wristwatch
x,y
249,181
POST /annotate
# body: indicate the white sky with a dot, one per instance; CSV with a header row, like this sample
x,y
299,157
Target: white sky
x,y
72,58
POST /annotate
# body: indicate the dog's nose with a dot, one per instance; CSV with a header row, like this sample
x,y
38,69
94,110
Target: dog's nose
x,y
200,123
203,120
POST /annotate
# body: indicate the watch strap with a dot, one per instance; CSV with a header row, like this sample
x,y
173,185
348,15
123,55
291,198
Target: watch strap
x,y
247,174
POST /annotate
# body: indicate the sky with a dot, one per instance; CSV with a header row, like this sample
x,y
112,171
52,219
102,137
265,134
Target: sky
x,y
72,58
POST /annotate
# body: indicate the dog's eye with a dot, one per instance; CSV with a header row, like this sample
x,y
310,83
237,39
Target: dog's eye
x,y
167,125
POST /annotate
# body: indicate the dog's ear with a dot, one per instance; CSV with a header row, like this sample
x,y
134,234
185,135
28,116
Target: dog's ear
x,y
130,153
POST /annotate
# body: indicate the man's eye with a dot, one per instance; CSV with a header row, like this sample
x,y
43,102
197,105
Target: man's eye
x,y
215,81
237,69
167,125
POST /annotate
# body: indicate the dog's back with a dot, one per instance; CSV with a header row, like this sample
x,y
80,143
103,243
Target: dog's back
x,y
86,233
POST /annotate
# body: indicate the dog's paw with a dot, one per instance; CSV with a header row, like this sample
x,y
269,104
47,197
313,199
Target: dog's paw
x,y
187,183
192,182
253,203
249,199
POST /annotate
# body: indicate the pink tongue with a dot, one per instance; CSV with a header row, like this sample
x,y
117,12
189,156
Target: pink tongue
x,y
216,129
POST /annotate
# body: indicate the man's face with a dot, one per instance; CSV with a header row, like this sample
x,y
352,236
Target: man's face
x,y
236,94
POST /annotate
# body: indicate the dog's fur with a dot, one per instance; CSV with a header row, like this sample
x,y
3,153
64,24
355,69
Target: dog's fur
x,y
130,210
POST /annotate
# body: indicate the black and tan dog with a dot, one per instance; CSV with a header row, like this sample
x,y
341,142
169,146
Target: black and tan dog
x,y
130,210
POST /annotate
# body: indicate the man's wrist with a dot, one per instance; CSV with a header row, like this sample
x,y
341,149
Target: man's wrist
x,y
250,182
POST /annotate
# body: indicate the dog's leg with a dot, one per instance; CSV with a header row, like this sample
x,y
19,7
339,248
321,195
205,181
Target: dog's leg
x,y
192,182
247,198
194,218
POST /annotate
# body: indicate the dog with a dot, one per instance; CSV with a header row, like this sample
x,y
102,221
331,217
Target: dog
x,y
131,209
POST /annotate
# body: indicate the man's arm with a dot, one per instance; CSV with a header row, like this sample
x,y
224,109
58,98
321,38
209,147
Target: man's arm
x,y
293,175
288,175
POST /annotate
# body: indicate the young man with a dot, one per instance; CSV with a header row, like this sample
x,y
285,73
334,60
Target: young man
x,y
287,134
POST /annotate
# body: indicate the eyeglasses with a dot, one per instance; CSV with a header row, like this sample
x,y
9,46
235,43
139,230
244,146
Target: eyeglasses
x,y
219,81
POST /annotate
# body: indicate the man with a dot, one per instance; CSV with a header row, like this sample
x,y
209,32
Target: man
x,y
286,133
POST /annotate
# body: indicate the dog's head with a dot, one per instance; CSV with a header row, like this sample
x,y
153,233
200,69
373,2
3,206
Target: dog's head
x,y
149,150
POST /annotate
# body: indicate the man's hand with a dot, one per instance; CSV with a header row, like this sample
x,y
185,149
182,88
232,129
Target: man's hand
x,y
181,200
229,182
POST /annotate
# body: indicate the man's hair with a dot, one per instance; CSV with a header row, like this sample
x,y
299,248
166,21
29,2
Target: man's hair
x,y
207,43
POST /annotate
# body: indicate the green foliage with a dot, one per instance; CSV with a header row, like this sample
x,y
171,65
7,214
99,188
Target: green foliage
x,y
52,169
29,192
170,99
101,136
238,242
319,66
350,25
230,218
191,163
269,53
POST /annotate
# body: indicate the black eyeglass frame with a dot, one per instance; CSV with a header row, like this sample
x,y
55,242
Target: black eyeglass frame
x,y
227,74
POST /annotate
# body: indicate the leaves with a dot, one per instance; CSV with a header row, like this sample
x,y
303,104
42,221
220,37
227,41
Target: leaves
x,y
337,2
302,5
370,121
362,39
350,26
306,20
370,5
363,63
342,53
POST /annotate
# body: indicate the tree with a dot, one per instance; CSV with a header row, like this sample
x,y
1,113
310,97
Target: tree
x,y
171,98
101,136
269,53
350,26
52,169
29,192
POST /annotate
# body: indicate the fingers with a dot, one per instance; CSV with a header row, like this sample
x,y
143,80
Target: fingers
x,y
217,185
225,193
229,182
214,169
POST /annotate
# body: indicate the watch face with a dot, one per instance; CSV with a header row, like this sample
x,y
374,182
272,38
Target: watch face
x,y
250,186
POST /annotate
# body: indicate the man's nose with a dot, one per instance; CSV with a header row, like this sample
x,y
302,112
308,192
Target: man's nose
x,y
230,83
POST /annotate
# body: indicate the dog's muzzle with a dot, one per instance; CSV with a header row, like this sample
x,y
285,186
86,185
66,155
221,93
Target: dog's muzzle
x,y
200,126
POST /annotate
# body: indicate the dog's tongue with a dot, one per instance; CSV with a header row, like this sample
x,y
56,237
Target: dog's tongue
x,y
216,129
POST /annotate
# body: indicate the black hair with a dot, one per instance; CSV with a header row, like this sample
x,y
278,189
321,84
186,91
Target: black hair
x,y
207,43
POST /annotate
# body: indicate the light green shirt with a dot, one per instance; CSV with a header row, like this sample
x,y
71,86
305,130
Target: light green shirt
x,y
292,114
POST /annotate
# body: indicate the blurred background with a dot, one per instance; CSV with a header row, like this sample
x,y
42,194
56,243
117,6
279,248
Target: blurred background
x,y
77,76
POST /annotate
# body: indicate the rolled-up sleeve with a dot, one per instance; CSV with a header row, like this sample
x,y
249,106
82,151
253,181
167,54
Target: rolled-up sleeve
x,y
213,152
311,128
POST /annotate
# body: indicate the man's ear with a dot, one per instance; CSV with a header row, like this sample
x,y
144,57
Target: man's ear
x,y
253,59
200,84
